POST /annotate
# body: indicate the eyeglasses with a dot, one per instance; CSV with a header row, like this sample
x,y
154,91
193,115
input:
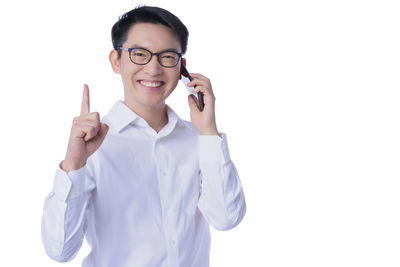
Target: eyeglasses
x,y
142,56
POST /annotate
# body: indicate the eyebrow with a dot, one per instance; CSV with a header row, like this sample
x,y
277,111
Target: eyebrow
x,y
168,49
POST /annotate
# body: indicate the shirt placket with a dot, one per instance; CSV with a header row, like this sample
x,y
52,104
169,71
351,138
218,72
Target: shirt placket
x,y
170,235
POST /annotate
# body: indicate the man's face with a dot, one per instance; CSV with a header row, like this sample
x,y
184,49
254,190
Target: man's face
x,y
147,86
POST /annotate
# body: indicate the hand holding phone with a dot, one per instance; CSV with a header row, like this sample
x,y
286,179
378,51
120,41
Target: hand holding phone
x,y
186,79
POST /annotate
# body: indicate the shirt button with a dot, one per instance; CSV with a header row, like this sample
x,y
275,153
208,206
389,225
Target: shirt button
x,y
164,173
173,243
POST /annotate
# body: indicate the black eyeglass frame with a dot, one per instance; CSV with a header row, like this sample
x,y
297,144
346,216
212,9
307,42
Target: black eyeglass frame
x,y
151,55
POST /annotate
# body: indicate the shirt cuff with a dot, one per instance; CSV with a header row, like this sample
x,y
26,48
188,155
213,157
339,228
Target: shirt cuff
x,y
213,148
69,185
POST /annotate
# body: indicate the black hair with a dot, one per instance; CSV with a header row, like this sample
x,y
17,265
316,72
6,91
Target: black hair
x,y
148,14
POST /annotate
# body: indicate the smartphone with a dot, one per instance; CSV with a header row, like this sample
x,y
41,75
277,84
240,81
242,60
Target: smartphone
x,y
186,79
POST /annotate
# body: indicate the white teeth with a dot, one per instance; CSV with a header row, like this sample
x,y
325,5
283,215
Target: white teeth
x,y
151,84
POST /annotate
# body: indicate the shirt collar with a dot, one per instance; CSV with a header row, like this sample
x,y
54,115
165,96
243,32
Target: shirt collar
x,y
120,116
173,116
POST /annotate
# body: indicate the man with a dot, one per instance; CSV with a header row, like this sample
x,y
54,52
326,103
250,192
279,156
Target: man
x,y
142,184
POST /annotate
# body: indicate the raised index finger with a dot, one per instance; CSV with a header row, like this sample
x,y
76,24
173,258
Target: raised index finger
x,y
85,107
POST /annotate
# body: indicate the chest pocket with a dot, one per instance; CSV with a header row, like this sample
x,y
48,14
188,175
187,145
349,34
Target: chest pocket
x,y
190,187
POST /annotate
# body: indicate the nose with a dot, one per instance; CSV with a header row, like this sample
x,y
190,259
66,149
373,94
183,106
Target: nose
x,y
153,68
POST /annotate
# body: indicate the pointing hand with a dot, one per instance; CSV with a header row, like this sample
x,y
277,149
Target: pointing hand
x,y
87,134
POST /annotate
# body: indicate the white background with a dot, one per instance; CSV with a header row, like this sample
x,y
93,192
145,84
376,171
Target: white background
x,y
307,92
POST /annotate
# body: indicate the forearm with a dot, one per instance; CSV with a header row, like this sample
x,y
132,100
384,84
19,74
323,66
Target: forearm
x,y
63,220
222,200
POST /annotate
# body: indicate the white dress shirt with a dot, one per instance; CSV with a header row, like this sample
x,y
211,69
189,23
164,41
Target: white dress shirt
x,y
144,199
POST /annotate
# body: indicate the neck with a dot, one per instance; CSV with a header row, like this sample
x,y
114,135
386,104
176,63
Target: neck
x,y
155,116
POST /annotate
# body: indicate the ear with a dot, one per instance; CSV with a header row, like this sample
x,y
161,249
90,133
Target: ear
x,y
114,60
184,64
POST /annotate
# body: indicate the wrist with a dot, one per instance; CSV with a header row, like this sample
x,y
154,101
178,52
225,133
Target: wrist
x,y
209,132
70,165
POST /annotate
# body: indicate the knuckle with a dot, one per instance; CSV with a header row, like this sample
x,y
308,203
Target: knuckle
x,y
93,129
95,115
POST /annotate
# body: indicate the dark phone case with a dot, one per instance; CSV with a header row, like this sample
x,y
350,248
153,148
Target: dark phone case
x,y
200,103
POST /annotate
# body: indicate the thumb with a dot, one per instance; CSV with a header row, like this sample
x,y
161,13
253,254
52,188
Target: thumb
x,y
192,103
96,142
102,131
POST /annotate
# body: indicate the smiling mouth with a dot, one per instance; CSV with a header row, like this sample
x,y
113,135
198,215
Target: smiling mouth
x,y
151,84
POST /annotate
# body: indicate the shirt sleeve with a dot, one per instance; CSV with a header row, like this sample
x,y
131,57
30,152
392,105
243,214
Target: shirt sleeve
x,y
65,208
222,201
